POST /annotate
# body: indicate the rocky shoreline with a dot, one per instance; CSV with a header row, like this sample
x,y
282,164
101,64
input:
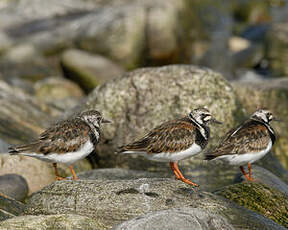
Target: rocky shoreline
x,y
118,57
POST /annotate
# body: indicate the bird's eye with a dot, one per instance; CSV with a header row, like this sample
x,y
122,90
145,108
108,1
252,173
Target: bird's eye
x,y
206,117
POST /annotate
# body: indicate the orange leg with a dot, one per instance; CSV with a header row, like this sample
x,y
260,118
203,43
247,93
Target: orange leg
x,y
245,174
75,177
58,177
179,175
250,173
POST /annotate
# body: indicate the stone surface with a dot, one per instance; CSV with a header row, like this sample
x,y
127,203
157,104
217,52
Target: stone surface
x,y
9,207
123,30
116,174
44,222
88,70
110,202
22,117
142,99
58,92
276,48
14,186
260,198
25,62
174,219
271,163
271,94
37,173
265,177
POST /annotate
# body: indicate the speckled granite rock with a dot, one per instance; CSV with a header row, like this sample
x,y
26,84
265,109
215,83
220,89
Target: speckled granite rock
x,y
59,93
142,99
174,219
114,201
44,222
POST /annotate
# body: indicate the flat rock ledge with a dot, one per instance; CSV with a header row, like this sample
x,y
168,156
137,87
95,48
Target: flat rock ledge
x,y
111,202
44,222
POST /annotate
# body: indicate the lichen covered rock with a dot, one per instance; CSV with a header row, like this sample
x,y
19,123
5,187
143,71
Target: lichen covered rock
x,y
111,202
142,99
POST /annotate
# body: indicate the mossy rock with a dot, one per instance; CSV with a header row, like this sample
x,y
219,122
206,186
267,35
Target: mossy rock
x,y
260,198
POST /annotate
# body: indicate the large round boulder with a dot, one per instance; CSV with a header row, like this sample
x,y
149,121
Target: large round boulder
x,y
111,202
144,98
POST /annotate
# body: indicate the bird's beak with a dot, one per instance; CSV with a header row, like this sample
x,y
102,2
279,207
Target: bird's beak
x,y
214,121
106,121
276,119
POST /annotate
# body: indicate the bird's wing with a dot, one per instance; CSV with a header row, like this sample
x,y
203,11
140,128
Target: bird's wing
x,y
61,138
171,136
250,137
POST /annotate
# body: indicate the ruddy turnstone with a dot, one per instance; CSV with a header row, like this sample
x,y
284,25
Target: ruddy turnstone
x,y
66,142
248,142
175,140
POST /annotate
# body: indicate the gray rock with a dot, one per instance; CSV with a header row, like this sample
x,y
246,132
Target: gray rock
x,y
9,207
122,30
142,99
211,34
25,62
58,92
111,202
248,57
14,186
38,174
116,174
44,222
23,116
276,48
271,163
3,146
265,177
88,70
175,219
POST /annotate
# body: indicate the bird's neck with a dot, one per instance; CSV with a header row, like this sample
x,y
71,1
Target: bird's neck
x,y
202,128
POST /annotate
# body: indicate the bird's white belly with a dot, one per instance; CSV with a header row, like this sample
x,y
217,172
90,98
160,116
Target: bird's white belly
x,y
171,157
245,158
68,158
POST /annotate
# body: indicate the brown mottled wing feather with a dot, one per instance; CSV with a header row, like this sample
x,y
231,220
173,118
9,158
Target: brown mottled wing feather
x,y
64,137
171,136
251,137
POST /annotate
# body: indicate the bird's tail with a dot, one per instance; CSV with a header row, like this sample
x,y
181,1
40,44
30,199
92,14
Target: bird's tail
x,y
13,150
209,156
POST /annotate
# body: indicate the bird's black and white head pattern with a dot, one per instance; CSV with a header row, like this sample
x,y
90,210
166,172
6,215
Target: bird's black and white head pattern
x,y
201,115
92,117
262,115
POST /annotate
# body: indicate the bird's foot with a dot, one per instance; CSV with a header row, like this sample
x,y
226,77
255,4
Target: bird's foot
x,y
58,178
187,181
